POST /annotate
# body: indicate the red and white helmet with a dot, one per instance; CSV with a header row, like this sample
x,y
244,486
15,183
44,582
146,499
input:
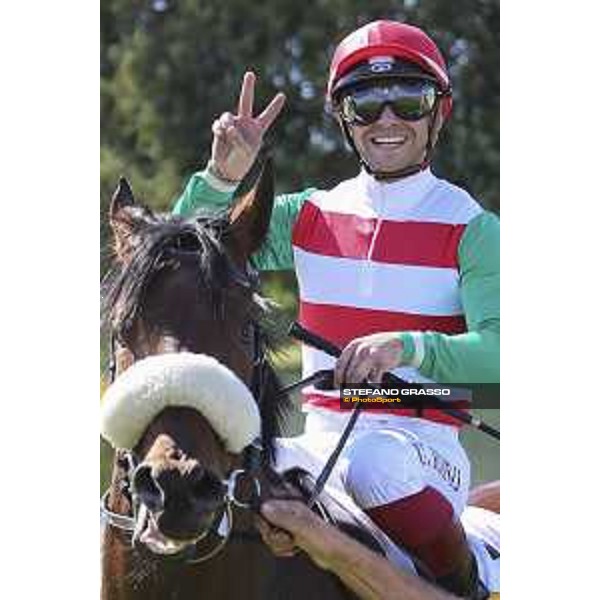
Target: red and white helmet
x,y
378,39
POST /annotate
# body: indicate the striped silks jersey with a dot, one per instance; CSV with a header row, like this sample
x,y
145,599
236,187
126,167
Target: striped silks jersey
x,y
372,257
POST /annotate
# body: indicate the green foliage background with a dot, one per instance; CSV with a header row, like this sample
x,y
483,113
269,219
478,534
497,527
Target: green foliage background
x,y
170,67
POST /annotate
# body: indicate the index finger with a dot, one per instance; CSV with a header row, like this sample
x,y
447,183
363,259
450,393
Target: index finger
x,y
246,100
341,365
267,116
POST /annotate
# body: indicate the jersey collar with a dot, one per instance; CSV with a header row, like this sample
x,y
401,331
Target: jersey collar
x,y
408,190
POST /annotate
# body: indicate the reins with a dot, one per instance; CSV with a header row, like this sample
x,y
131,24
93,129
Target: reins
x,y
311,339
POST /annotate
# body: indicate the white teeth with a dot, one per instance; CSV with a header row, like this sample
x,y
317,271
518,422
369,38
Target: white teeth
x,y
389,140
156,541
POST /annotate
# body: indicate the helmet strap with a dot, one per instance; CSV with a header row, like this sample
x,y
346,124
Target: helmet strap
x,y
406,171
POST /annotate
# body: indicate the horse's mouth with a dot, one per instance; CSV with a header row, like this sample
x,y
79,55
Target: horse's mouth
x,y
148,533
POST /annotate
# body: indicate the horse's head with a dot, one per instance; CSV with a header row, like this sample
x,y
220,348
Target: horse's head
x,y
184,286
187,417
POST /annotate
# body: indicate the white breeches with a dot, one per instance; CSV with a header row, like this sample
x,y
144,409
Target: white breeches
x,y
386,458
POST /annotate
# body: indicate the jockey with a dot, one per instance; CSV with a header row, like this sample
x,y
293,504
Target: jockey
x,y
398,267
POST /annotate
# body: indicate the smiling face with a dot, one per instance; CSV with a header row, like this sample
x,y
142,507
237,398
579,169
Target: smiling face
x,y
394,123
392,144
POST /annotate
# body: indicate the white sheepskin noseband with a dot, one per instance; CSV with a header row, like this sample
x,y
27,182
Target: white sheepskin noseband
x,y
182,379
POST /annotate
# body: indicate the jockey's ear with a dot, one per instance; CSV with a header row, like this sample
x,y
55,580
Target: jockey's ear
x,y
250,216
122,217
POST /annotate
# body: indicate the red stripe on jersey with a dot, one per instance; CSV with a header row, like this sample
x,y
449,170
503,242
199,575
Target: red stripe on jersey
x,y
341,324
398,242
332,234
418,244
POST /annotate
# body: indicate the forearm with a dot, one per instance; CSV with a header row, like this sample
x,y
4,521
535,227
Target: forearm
x,y
203,191
276,252
486,495
370,575
366,573
471,357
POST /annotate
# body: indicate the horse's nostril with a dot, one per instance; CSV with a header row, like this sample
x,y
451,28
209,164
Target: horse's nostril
x,y
206,486
175,454
198,482
146,488
197,474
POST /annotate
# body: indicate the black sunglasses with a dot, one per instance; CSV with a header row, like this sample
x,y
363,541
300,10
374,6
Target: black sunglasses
x,y
409,100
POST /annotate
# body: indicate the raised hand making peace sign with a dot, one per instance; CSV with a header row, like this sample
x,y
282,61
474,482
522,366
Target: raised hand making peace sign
x,y
237,138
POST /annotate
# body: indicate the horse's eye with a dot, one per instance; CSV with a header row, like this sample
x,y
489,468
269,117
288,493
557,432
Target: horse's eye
x,y
247,330
123,331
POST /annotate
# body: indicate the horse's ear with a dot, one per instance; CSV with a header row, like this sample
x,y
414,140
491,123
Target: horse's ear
x,y
120,216
122,197
250,217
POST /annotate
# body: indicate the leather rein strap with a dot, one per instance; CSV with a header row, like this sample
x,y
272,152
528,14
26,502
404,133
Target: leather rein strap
x,y
311,339
298,332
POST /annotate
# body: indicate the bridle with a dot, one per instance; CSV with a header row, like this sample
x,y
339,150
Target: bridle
x,y
192,553
222,524
253,458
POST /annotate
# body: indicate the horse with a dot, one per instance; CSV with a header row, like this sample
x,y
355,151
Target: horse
x,y
182,498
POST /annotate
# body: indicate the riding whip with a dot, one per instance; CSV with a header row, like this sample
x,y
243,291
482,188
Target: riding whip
x,y
312,339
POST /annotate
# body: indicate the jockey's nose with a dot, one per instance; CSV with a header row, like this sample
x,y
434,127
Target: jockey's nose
x,y
387,115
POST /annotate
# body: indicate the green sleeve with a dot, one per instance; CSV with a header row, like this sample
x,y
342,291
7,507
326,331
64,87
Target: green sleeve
x,y
276,252
199,193
474,356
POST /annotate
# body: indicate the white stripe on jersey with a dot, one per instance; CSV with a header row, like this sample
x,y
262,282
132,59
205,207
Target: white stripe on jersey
x,y
399,288
421,197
